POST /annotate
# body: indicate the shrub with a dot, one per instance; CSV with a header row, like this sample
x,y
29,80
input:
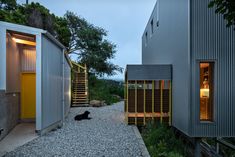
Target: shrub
x,y
109,91
162,142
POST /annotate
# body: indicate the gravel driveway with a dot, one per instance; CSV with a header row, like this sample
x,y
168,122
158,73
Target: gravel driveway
x,y
105,134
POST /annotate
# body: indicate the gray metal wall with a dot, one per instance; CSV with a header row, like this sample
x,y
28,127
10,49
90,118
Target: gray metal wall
x,y
52,83
149,72
28,59
211,40
13,66
169,45
67,87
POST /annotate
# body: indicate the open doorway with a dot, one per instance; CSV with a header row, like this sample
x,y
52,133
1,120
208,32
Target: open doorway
x,y
21,82
21,72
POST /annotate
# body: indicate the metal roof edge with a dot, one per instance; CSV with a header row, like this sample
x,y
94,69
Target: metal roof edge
x,y
18,27
148,65
68,60
51,37
23,28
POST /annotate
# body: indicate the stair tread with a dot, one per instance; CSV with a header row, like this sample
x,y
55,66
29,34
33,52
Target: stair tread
x,y
79,89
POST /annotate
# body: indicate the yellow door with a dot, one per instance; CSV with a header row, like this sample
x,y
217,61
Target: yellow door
x,y
28,95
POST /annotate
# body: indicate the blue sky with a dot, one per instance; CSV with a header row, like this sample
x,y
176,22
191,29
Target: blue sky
x,y
124,20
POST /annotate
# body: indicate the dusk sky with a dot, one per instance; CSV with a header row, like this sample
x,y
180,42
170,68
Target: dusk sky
x,y
124,20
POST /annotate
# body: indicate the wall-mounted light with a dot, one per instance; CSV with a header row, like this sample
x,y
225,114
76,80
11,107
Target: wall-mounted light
x,y
26,42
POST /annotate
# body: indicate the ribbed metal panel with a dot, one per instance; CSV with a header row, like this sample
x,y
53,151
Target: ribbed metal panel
x,y
52,83
211,40
28,60
67,87
168,44
149,72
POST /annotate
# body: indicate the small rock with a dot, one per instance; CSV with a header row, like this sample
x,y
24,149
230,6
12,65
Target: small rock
x,y
97,103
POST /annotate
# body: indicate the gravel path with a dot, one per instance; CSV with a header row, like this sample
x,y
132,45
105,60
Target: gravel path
x,y
104,135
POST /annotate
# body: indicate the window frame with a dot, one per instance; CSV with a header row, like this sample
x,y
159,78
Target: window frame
x,y
146,38
213,118
152,26
158,13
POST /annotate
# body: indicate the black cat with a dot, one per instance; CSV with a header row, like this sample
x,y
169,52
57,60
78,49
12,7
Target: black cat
x,y
82,116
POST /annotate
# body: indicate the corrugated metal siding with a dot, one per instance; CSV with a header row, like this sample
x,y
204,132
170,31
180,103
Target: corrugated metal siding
x,y
149,72
52,83
28,60
169,45
211,40
67,87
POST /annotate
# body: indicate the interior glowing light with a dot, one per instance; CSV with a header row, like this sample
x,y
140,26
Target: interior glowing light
x,y
204,92
26,42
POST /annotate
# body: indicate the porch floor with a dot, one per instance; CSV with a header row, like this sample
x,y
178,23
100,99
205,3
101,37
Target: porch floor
x,y
21,134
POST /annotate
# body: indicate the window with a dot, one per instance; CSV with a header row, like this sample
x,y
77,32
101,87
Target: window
x,y
206,91
151,26
158,12
146,38
157,24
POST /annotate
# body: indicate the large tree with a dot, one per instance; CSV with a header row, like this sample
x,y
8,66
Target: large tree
x,y
226,8
80,37
89,43
8,4
34,15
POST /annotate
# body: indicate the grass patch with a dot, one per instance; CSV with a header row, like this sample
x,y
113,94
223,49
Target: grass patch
x,y
161,141
110,91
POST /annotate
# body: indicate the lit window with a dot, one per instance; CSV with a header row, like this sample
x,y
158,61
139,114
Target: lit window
x,y
206,91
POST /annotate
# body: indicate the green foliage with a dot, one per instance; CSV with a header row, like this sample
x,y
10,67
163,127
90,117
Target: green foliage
x,y
62,32
161,141
34,15
8,4
226,8
89,43
38,16
11,13
102,90
224,151
79,36
228,152
116,88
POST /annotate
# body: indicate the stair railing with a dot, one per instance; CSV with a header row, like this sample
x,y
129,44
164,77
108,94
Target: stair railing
x,y
77,68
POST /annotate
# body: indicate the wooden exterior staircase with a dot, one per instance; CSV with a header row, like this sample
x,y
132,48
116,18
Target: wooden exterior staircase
x,y
79,86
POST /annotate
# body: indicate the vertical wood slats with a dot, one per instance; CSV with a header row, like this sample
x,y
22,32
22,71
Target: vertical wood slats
x,y
141,99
